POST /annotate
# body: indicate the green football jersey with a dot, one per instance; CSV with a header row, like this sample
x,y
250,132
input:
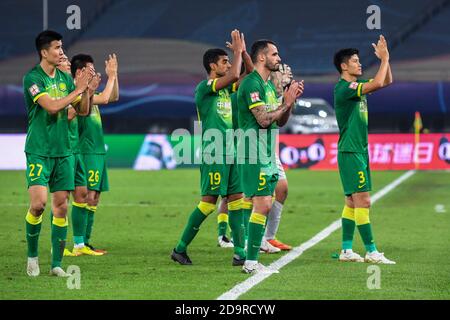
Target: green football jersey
x,y
235,110
352,116
47,135
254,92
215,112
91,133
74,135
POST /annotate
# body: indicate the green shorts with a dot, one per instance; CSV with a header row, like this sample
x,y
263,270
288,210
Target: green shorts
x,y
57,173
355,172
80,171
219,180
97,175
257,180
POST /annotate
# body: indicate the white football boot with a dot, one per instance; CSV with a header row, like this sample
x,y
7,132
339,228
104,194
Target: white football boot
x,y
268,248
224,242
377,257
254,267
349,256
33,267
59,272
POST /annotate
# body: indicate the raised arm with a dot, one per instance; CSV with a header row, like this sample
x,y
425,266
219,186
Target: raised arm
x,y
389,79
111,91
114,73
382,53
247,61
233,74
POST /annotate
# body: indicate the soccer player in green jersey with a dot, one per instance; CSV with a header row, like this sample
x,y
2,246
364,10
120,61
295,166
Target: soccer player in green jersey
x,y
259,116
218,178
353,159
91,175
222,217
80,193
48,91
270,244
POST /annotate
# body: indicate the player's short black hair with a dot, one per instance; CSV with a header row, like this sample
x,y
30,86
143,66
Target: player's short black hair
x,y
44,39
212,56
342,56
259,46
79,61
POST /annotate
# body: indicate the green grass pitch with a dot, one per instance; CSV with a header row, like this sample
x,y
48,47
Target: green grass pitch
x,y
140,220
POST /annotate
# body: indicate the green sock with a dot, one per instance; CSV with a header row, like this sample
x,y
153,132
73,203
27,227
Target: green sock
x,y
364,227
90,223
79,222
255,235
237,229
246,213
222,224
365,230
59,235
193,225
348,230
33,229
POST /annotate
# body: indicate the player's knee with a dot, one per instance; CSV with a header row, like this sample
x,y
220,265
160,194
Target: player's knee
x,y
281,195
37,207
60,207
92,202
83,195
365,203
91,199
263,208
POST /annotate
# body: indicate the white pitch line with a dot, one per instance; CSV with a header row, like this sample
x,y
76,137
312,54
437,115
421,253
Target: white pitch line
x,y
296,252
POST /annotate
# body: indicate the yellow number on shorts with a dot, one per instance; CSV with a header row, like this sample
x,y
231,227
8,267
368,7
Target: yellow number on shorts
x,y
262,179
93,176
362,179
214,178
32,167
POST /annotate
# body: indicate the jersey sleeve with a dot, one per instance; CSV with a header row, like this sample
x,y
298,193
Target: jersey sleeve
x,y
350,90
34,86
253,94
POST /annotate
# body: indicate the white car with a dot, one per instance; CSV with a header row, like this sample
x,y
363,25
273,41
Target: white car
x,y
311,115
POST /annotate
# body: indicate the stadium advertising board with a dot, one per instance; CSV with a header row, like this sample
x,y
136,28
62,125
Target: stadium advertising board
x,y
314,152
386,151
